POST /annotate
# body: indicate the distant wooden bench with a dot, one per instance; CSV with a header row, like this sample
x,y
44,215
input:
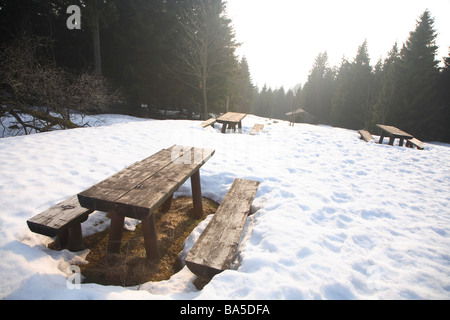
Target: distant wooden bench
x,y
209,122
257,128
62,221
366,136
411,143
214,250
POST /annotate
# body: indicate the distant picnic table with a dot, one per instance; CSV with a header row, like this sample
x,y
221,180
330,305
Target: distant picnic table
x,y
230,120
393,133
137,191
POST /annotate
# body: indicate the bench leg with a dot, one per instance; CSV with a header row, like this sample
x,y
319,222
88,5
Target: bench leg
x,y
150,237
115,233
197,195
62,239
75,238
224,128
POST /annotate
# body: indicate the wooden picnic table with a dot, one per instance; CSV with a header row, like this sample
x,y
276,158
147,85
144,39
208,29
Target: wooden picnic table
x,y
393,133
230,120
137,191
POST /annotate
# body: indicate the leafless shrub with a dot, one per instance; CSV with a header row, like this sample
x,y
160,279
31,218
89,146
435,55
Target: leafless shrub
x,y
41,96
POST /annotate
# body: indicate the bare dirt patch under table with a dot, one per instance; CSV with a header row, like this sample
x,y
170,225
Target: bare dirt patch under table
x,y
130,267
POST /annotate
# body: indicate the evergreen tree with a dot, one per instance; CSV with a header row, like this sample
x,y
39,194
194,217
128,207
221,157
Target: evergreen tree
x,y
444,105
279,103
415,97
137,50
384,100
319,89
264,102
353,100
244,88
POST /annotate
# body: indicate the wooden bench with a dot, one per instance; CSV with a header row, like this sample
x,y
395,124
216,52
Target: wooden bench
x,y
214,250
411,143
366,136
209,122
257,128
62,221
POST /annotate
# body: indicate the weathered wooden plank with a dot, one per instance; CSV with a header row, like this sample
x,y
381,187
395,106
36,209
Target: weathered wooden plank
x,y
366,136
59,217
415,142
257,128
209,122
103,195
231,117
150,194
395,131
214,250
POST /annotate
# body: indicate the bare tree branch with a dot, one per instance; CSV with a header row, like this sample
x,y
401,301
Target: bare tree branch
x,y
34,88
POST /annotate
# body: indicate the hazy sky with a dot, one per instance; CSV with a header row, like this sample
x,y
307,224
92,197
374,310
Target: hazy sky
x,y
282,38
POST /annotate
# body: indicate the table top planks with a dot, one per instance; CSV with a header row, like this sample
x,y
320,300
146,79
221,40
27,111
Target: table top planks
x,y
140,189
231,117
395,131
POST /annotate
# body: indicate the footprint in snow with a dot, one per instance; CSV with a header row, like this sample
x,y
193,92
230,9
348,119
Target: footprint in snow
x,y
340,197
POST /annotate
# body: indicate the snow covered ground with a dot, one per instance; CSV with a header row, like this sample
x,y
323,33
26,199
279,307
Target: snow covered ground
x,y
336,217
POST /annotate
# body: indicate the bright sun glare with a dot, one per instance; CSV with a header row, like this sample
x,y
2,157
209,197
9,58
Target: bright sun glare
x,y
282,38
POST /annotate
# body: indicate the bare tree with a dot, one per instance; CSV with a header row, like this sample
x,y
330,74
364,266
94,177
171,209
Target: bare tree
x,y
206,41
41,96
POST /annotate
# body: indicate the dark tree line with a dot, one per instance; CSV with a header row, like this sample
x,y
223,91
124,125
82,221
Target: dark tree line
x,y
166,54
407,89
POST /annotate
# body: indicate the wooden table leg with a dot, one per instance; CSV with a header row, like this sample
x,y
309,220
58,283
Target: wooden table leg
x,y
391,140
115,233
197,195
401,142
167,204
381,138
150,237
224,127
